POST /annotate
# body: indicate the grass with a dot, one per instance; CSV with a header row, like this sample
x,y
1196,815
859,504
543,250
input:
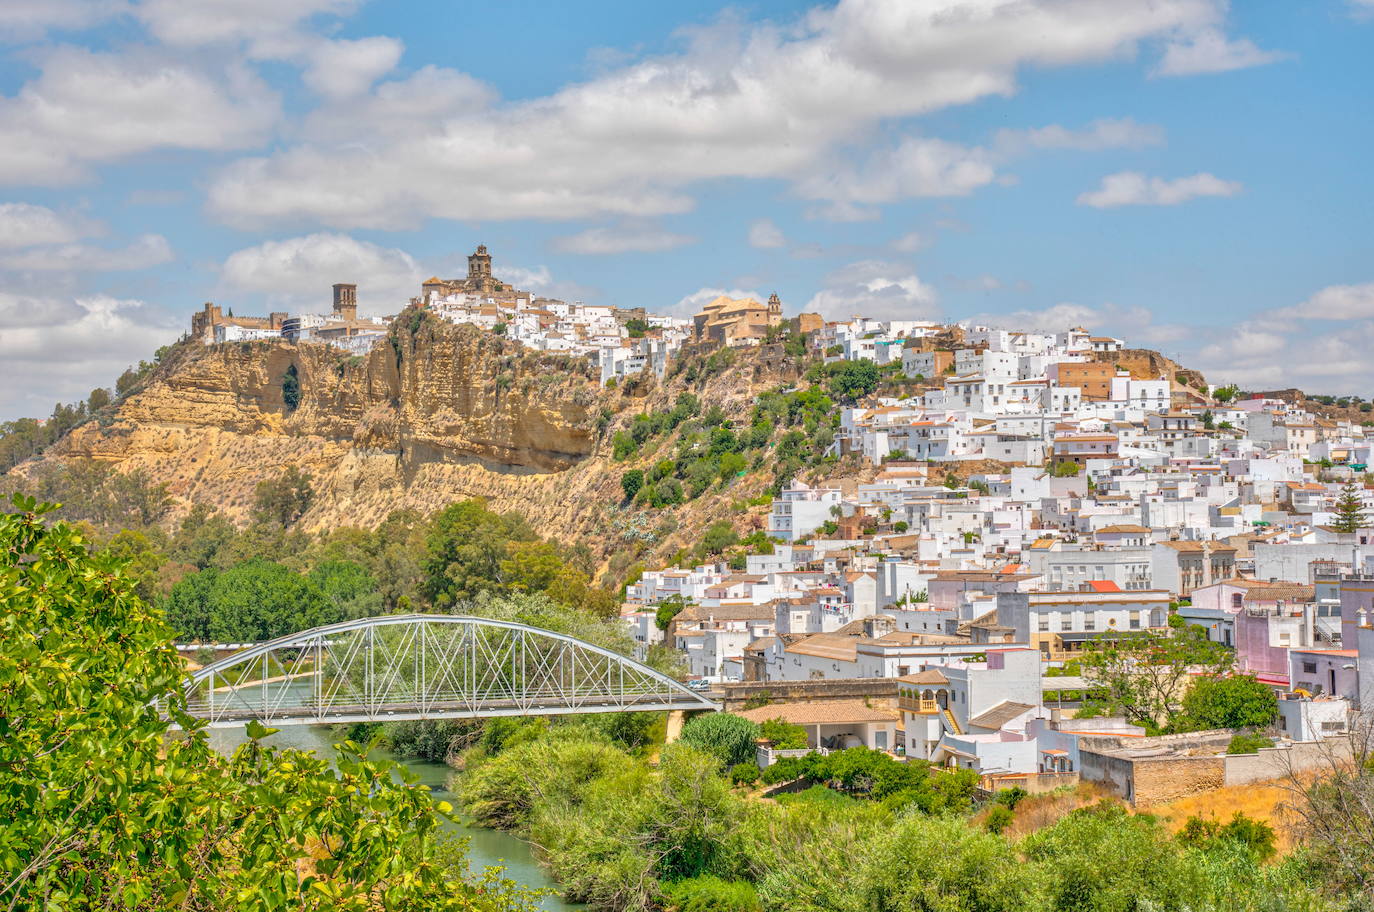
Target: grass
x,y
1262,801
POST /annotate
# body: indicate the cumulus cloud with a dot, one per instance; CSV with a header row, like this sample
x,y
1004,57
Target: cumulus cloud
x,y
298,272
911,242
1335,302
146,251
28,20
631,141
27,225
343,69
875,288
1210,51
766,235
627,238
1055,318
1131,188
87,107
93,339
1108,133
270,25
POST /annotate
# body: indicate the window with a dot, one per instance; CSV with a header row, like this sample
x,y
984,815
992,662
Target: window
x,y
1237,599
1309,667
1090,623
1333,726
1043,624
1066,624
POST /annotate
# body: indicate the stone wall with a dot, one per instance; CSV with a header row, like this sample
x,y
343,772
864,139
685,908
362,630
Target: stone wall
x,y
881,692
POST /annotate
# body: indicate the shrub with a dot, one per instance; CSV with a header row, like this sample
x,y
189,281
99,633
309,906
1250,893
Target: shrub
x,y
1248,744
727,737
706,893
746,773
999,818
784,735
1011,797
631,482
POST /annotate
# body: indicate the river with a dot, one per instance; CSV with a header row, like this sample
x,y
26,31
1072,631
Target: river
x,y
485,847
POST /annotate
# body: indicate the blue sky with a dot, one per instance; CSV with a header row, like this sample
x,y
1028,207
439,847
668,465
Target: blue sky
x,y
1189,175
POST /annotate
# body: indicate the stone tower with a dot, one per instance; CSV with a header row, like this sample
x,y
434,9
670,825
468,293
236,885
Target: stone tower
x,y
479,266
774,308
346,301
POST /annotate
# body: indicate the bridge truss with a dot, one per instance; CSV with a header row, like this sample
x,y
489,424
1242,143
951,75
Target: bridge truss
x,y
420,666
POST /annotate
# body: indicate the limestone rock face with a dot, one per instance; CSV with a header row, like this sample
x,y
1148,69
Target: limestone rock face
x,y
421,420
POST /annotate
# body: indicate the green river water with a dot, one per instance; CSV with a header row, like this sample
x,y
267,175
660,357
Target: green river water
x,y
485,847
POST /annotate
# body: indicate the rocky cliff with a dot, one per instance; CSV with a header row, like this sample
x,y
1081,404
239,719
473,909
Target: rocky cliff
x,y
436,413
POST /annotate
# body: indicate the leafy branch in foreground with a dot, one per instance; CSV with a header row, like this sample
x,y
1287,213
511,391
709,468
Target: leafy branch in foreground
x,y
103,804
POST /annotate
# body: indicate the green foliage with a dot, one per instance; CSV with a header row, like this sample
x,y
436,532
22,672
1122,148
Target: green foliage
x,y
1011,797
783,735
285,499
705,893
1141,674
464,548
1350,512
636,328
999,818
668,609
1065,469
1233,701
730,739
94,492
746,773
1226,393
631,482
291,389
1254,836
256,600
717,537
100,808
431,740
1247,743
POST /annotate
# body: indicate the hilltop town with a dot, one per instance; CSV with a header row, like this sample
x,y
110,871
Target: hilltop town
x,y
954,515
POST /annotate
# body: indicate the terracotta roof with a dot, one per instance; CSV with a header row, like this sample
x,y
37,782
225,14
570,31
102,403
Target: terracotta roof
x,y
929,676
1103,586
820,712
1125,527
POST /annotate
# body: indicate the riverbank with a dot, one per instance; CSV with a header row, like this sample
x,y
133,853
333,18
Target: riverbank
x,y
486,847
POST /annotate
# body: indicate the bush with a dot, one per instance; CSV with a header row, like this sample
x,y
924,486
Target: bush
x,y
727,737
745,773
1248,744
706,893
784,735
631,482
999,818
1011,797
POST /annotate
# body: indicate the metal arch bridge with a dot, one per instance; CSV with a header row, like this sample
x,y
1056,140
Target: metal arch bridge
x,y
426,666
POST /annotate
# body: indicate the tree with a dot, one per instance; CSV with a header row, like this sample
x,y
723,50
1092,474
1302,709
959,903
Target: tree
x,y
1065,469
1143,673
728,738
291,389
668,609
631,482
851,380
98,399
718,536
1233,701
283,500
784,735
464,547
102,807
1350,514
636,328
254,601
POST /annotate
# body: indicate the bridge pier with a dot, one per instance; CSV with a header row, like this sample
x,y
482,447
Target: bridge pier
x,y
676,718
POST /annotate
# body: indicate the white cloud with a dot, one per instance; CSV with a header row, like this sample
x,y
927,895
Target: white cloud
x,y
1108,133
89,107
1210,51
146,251
299,271
27,225
875,288
343,69
629,238
766,235
269,24
911,242
1335,302
1131,188
915,167
631,141
73,345
28,20
1055,318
